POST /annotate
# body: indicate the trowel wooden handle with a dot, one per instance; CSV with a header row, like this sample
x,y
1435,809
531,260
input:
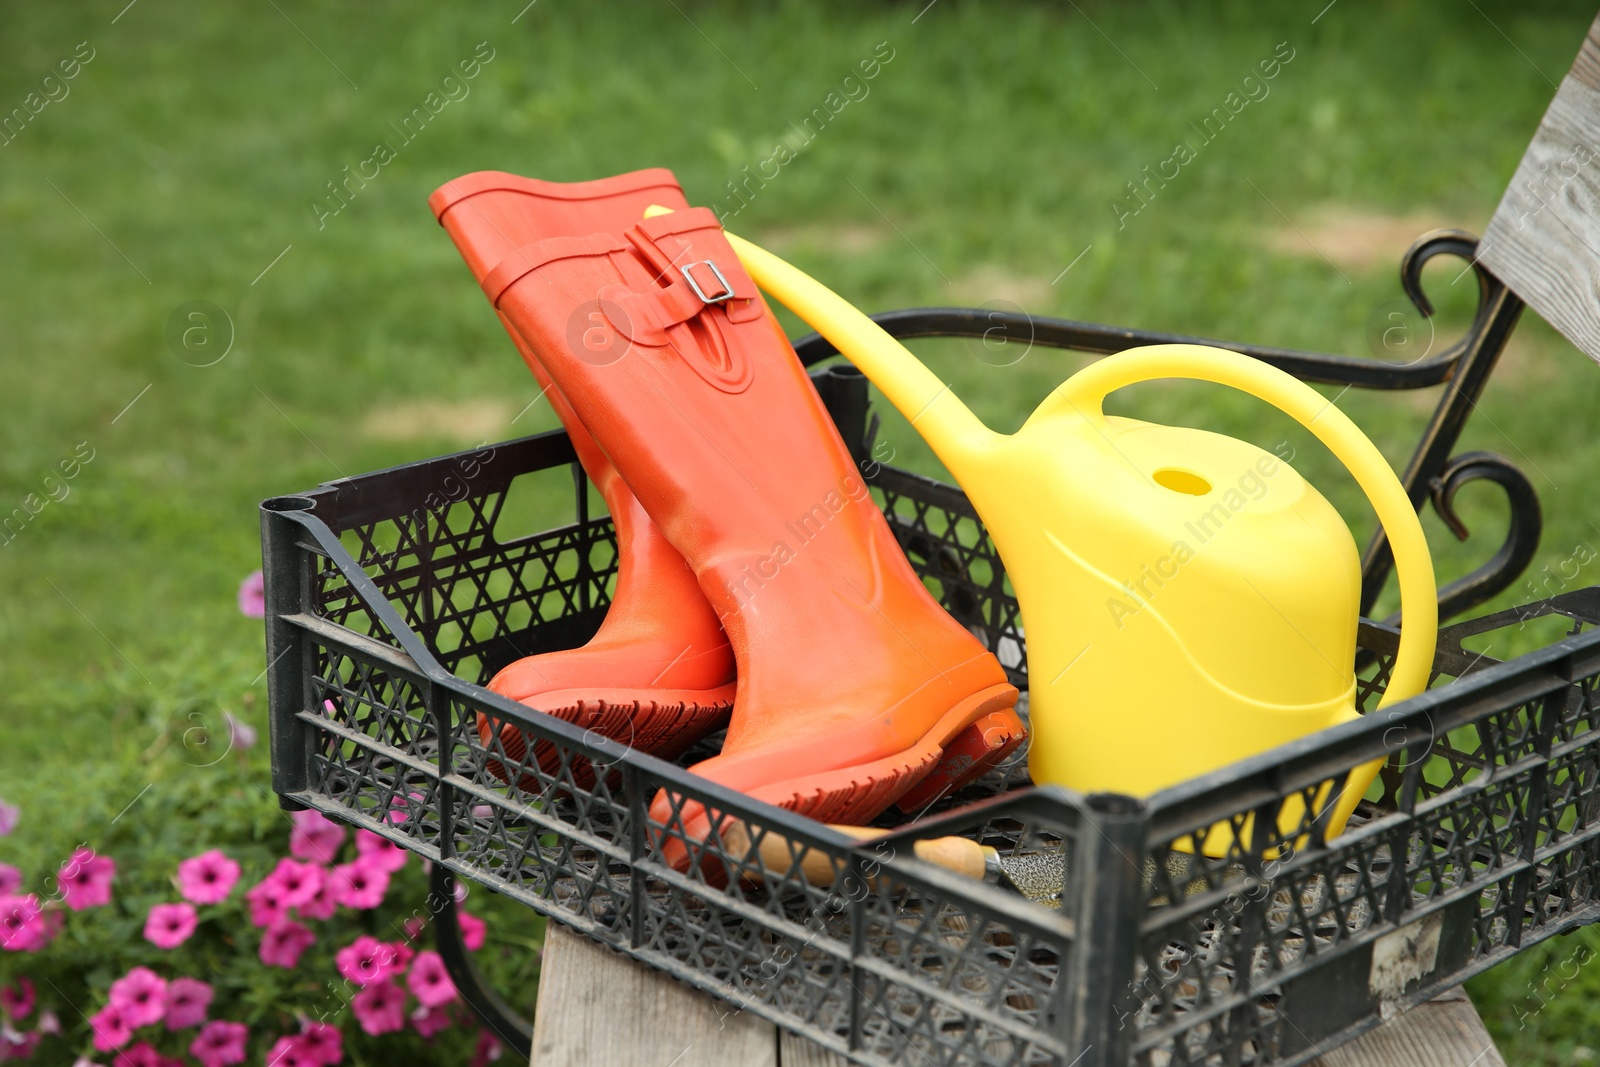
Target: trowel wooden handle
x,y
957,854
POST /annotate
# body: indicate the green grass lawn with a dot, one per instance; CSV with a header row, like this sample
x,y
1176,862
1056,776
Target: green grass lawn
x,y
189,155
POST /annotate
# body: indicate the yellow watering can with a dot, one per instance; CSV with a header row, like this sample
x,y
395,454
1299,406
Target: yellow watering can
x,y
1189,600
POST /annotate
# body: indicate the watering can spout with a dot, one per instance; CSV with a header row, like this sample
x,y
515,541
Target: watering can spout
x,y
960,440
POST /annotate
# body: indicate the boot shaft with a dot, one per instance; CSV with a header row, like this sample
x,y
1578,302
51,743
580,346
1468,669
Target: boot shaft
x,y
696,395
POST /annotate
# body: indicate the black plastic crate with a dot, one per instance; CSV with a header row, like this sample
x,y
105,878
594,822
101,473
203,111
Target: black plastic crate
x,y
390,602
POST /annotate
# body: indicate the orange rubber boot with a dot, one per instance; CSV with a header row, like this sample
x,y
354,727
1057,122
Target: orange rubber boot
x,y
658,674
852,681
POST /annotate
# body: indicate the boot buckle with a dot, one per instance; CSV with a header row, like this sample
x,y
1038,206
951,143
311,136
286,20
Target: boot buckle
x,y
724,294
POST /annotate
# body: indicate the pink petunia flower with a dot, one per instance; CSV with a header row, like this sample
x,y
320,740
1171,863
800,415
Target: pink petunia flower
x,y
283,943
324,904
315,837
252,596
17,1000
487,1050
240,735
86,880
266,901
291,1052
10,879
366,960
359,884
48,1023
140,996
111,1028
22,924
207,878
187,1002
414,926
429,1021
298,882
9,814
143,1055
379,852
429,981
324,1041
16,1045
473,929
170,925
380,1008
219,1044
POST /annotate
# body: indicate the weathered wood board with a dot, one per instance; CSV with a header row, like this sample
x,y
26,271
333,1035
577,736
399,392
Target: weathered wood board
x,y
1444,1032
598,1007
1544,238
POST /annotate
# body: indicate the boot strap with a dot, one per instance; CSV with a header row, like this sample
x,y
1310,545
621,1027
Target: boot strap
x,y
641,317
646,317
665,238
722,298
658,317
531,257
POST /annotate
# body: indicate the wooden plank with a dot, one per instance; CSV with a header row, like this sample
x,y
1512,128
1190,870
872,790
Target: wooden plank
x,y
599,1007
1444,1032
799,1052
1586,68
1544,238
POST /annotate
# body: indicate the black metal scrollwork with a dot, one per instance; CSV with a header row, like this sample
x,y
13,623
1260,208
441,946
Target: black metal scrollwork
x,y
1522,535
1432,474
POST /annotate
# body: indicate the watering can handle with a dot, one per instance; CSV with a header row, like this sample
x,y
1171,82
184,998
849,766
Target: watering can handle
x,y
1086,391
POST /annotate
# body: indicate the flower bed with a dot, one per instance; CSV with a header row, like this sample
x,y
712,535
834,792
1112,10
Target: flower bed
x,y
205,926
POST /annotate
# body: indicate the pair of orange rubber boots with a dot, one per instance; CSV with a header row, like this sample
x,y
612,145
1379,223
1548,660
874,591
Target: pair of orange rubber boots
x,y
758,586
